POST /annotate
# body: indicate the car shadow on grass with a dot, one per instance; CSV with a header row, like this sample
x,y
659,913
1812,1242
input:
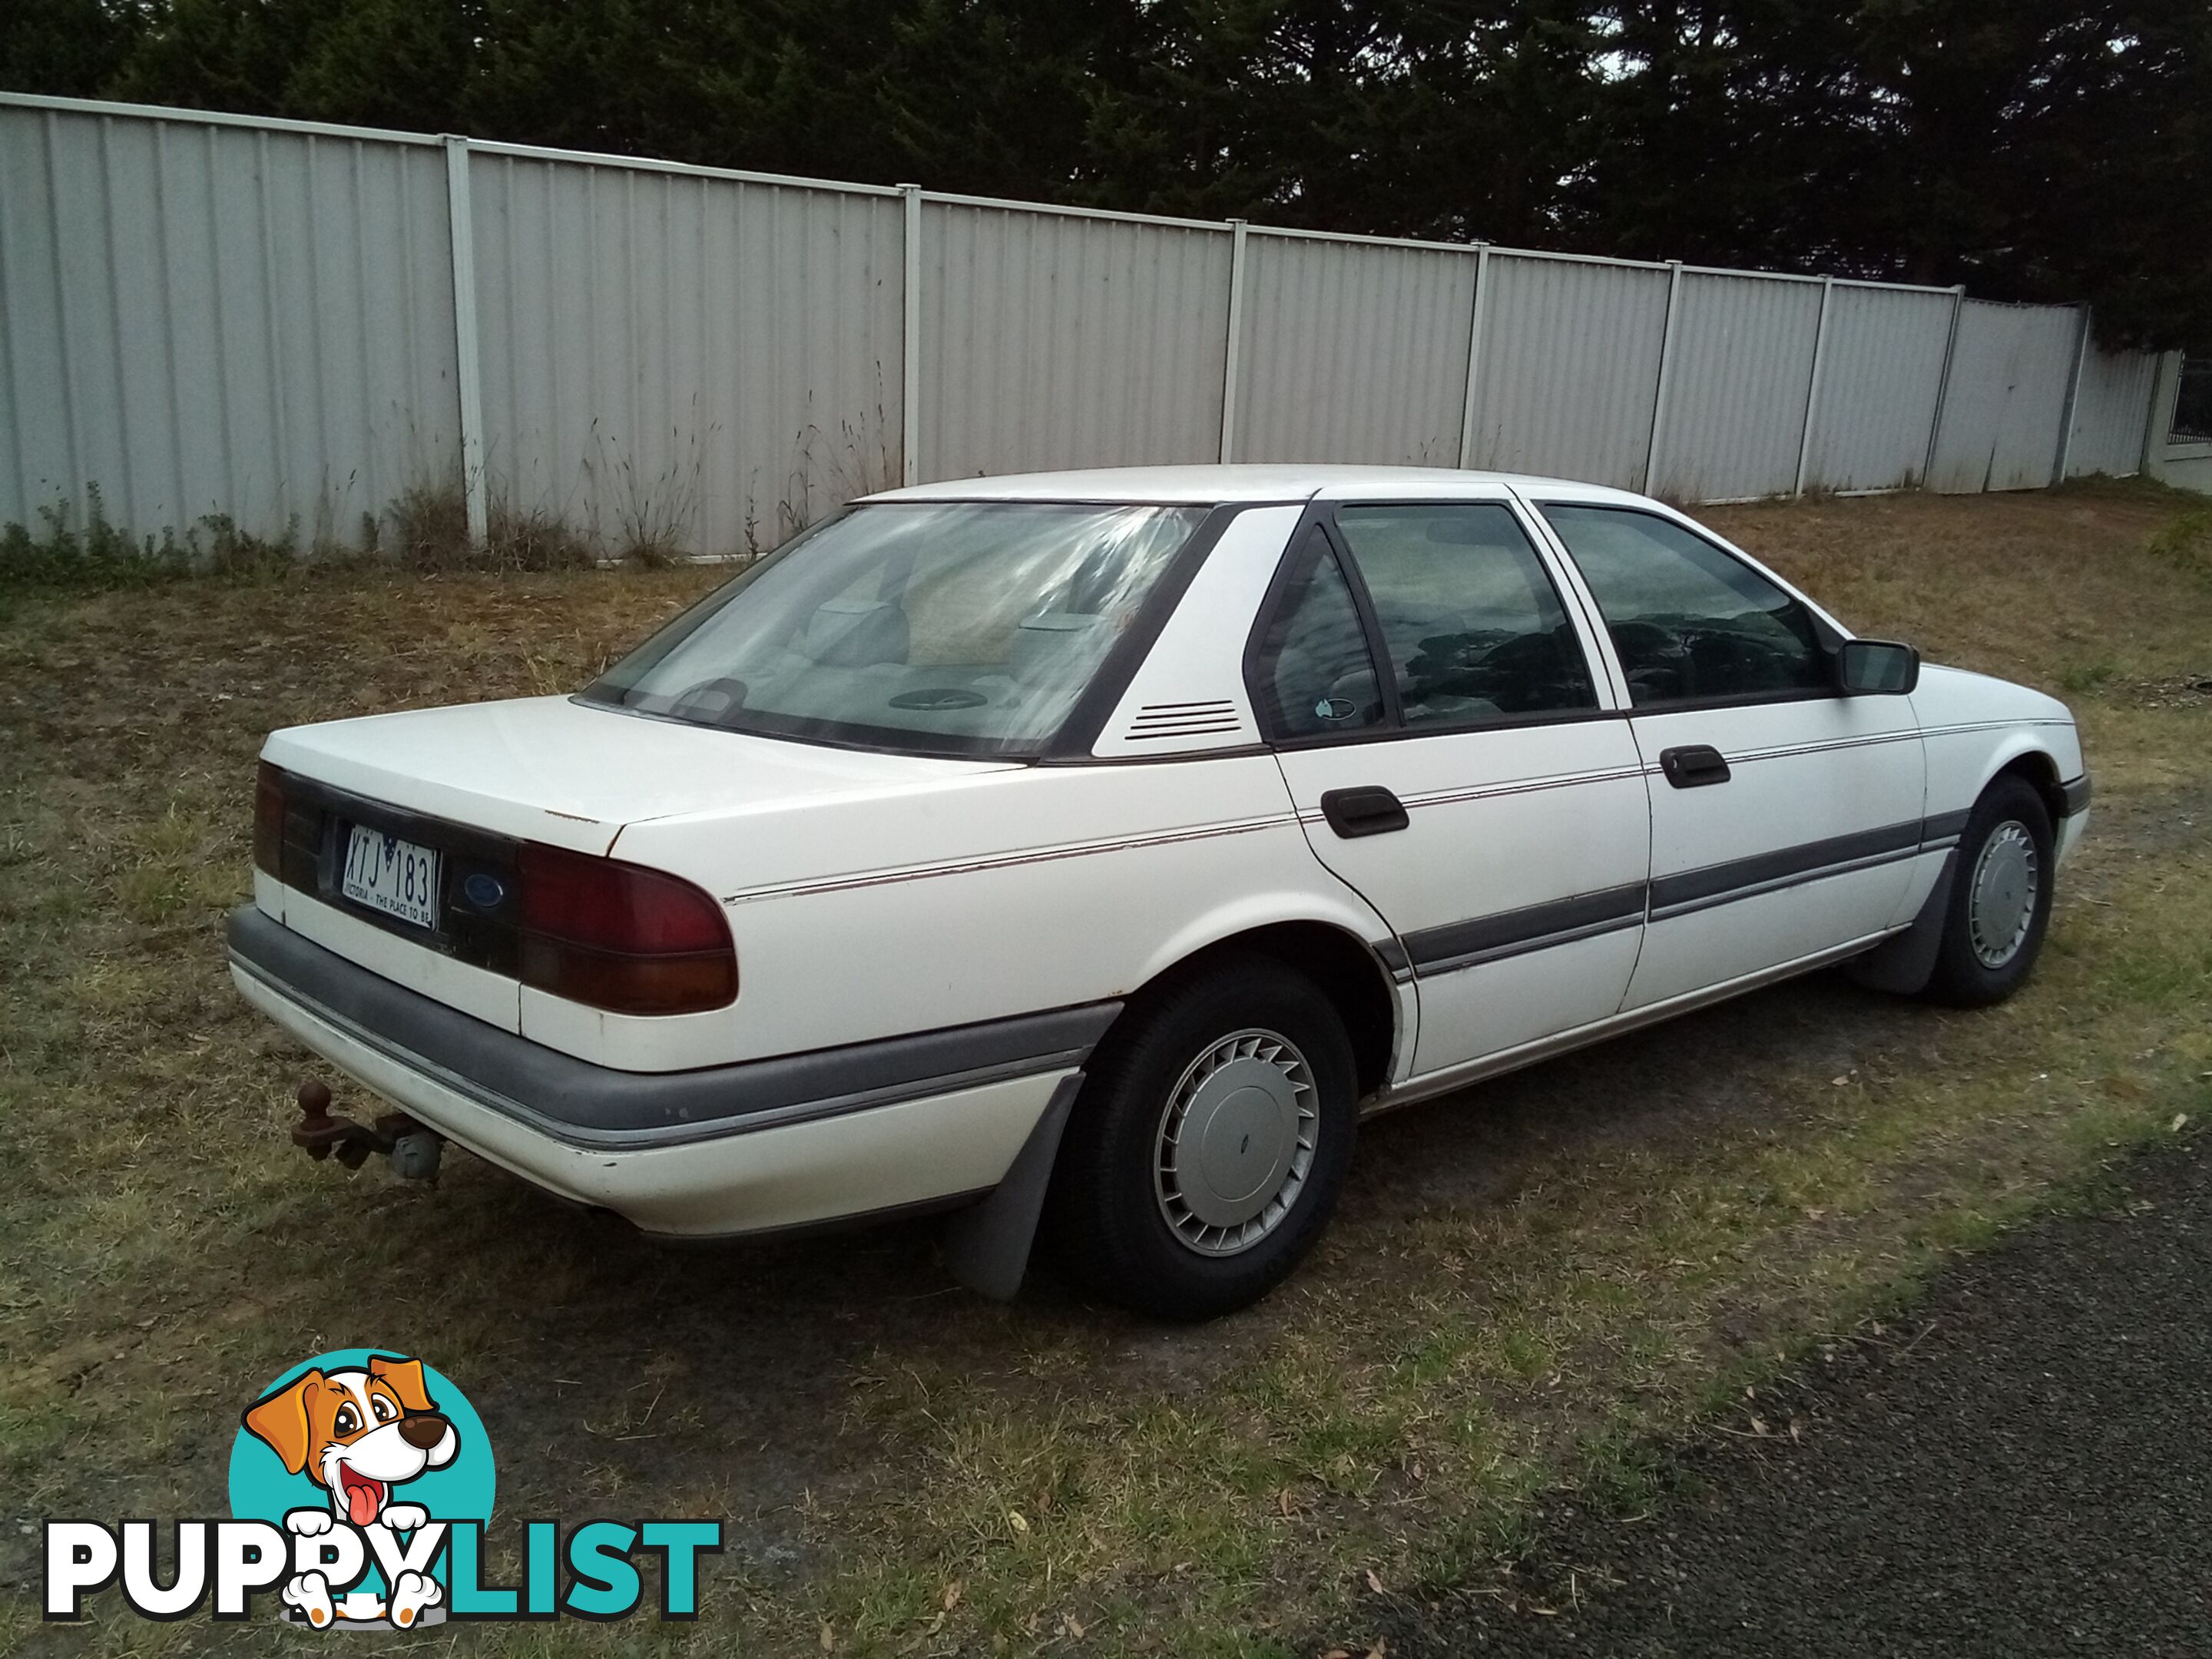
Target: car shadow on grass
x,y
744,1372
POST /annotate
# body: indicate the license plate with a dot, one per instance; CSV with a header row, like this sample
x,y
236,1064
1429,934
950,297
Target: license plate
x,y
394,876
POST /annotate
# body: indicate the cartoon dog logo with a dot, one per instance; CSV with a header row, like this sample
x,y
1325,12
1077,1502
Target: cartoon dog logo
x,y
358,1433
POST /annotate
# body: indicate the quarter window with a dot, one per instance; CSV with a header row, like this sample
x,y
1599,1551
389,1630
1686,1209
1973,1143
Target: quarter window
x,y
1320,675
1470,619
1690,622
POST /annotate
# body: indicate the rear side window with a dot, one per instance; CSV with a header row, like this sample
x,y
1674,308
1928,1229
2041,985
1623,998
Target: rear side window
x,y
1473,629
1690,624
1319,676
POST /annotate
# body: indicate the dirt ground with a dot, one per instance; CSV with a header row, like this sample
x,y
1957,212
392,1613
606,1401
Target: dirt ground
x,y
1523,1285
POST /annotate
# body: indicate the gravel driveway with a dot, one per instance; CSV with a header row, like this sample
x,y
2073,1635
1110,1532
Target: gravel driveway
x,y
2018,1465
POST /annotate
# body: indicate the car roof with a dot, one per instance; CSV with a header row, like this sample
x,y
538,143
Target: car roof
x,y
1250,482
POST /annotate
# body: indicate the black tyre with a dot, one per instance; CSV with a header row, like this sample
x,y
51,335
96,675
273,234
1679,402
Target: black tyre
x,y
1209,1143
2000,902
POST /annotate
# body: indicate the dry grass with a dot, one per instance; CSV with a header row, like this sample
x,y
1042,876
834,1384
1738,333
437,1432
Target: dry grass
x,y
2025,585
2095,593
1522,1284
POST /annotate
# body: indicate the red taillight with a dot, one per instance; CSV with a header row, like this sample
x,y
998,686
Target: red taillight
x,y
269,821
620,937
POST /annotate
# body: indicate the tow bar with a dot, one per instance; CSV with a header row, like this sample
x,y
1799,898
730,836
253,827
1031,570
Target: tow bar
x,y
412,1149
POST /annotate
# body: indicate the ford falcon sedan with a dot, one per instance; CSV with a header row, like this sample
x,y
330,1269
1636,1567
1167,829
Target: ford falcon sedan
x,y
1086,853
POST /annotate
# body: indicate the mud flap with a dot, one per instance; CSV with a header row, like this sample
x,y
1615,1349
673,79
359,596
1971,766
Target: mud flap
x,y
1904,964
988,1247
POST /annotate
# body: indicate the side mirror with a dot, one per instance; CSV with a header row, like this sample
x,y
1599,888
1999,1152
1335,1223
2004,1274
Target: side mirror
x,y
1876,668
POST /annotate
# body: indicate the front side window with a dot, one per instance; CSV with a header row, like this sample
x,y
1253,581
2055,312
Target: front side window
x,y
962,628
1468,618
1690,622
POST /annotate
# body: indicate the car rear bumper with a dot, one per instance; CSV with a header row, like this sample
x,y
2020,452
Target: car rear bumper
x,y
902,1124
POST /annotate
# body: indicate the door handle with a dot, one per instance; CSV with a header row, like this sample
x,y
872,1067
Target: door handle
x,y
1369,810
1693,766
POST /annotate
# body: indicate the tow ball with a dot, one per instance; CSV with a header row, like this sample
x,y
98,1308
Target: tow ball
x,y
412,1149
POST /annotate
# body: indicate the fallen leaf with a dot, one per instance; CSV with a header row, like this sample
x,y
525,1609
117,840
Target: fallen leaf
x,y
1071,1625
1286,1504
829,1638
1758,1426
951,1598
1375,1584
2179,1120
1379,1650
1841,1082
1018,1521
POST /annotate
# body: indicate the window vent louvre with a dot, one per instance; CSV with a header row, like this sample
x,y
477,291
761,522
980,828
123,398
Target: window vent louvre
x,y
1182,720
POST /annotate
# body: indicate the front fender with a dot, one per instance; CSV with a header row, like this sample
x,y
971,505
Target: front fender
x,y
1974,727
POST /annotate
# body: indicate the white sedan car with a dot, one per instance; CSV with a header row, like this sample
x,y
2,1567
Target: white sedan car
x,y
1090,850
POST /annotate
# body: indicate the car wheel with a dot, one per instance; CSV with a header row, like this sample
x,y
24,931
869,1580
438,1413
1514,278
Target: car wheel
x,y
1209,1143
1999,903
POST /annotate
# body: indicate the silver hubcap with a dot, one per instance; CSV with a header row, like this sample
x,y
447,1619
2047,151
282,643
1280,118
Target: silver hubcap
x,y
2001,906
1236,1142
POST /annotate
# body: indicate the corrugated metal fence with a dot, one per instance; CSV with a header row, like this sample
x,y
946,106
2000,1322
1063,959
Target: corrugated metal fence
x,y
298,325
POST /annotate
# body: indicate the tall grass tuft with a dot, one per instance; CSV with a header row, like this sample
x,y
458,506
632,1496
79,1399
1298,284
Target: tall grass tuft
x,y
2185,542
429,532
63,552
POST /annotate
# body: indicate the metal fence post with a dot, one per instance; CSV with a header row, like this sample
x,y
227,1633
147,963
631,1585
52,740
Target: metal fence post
x,y
1665,361
2157,419
910,343
1813,385
2073,400
1943,386
1473,355
468,375
1232,364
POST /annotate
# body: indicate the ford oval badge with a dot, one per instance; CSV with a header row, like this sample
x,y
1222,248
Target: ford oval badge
x,y
484,892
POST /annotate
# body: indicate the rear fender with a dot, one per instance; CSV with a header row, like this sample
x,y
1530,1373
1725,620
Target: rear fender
x,y
1249,912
